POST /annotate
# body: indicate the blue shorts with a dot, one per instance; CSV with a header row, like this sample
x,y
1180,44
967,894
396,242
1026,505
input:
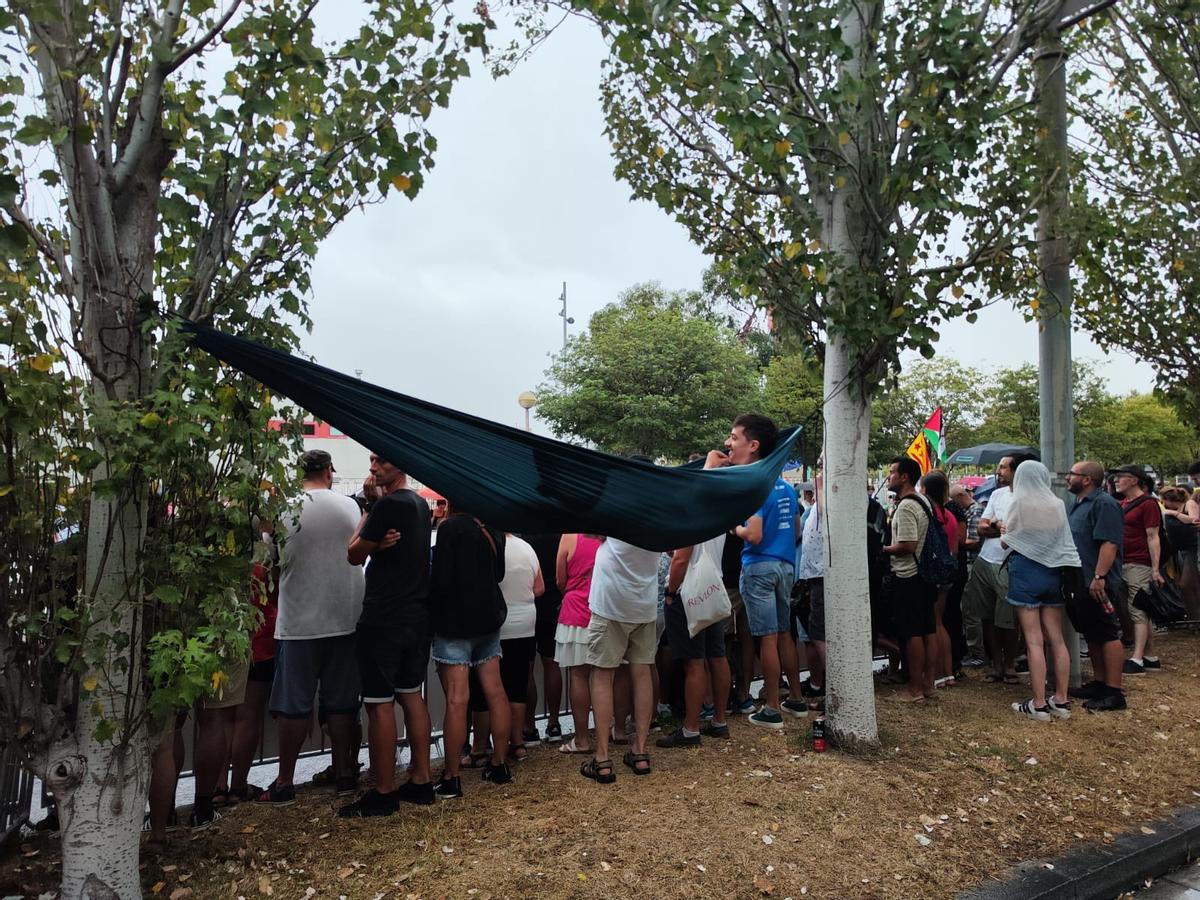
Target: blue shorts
x,y
1032,585
766,589
472,651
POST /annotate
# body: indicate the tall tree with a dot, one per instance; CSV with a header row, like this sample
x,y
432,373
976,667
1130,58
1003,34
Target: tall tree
x,y
1138,202
654,374
793,394
901,411
1011,405
154,175
826,150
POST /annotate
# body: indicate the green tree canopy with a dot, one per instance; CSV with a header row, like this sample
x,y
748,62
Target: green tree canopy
x,y
651,374
1137,198
902,410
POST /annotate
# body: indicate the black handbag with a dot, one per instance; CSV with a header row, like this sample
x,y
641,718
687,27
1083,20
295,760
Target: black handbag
x,y
1161,602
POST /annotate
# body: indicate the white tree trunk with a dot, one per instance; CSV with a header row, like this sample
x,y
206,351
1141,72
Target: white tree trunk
x,y
100,786
101,799
850,690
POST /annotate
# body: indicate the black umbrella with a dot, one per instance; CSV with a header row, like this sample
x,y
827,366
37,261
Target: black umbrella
x,y
987,454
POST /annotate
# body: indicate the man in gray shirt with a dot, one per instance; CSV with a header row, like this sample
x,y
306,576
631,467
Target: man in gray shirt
x,y
320,598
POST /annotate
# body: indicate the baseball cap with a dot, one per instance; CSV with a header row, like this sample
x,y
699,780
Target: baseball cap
x,y
314,461
1137,471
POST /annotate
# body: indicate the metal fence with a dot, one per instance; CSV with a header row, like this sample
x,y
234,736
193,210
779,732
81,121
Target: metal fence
x,y
16,792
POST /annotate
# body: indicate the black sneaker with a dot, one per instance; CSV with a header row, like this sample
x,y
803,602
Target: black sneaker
x,y
500,774
203,819
678,739
448,788
274,795
1110,702
346,786
371,804
1133,667
419,794
553,734
797,708
712,729
530,736
808,690
1152,662
1089,691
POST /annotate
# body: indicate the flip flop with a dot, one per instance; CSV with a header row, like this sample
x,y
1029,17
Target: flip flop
x,y
476,760
901,698
569,747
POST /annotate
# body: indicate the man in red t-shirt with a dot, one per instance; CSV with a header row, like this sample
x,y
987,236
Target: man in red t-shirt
x,y
1142,562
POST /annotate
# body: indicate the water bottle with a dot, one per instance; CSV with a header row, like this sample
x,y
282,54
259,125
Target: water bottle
x,y
818,734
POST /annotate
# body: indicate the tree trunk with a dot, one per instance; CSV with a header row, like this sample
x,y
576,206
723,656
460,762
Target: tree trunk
x,y
850,689
848,235
100,783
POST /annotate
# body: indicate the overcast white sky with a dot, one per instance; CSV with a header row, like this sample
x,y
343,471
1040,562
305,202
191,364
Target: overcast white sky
x,y
453,297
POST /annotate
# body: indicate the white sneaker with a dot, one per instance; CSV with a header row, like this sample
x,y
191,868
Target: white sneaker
x,y
1059,710
1030,711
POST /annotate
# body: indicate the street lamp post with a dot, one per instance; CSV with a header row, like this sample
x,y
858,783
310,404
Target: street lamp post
x,y
567,320
528,400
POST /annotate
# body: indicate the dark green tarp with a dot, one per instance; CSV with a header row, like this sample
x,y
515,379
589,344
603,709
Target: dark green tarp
x,y
512,479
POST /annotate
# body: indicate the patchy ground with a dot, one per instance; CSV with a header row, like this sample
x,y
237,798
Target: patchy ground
x,y
962,790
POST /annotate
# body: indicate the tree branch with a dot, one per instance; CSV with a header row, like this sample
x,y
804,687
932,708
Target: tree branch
x,y
204,40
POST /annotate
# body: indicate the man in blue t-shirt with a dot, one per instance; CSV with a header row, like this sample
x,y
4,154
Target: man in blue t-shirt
x,y
768,573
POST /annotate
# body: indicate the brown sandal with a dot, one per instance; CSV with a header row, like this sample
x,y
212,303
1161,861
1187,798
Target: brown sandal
x,y
600,770
632,760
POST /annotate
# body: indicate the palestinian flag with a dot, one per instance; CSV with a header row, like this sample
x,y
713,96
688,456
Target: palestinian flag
x,y
928,448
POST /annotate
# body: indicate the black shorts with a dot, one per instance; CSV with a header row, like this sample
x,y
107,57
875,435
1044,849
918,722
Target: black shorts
x,y
816,608
1089,618
708,644
546,625
262,671
912,604
516,656
391,660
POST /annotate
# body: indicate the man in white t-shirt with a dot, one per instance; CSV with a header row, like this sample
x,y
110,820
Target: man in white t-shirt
x,y
320,599
624,605
985,596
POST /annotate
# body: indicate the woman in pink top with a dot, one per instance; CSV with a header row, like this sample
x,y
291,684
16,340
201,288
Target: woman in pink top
x,y
576,556
936,487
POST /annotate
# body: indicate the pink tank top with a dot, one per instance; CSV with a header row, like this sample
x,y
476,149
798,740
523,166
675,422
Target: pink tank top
x,y
575,611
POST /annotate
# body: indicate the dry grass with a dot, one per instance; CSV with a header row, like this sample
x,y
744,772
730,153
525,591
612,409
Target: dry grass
x,y
957,772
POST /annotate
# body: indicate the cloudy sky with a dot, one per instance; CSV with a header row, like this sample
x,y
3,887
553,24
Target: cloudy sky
x,y
454,297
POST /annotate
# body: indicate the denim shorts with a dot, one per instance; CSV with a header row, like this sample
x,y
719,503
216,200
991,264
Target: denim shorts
x,y
472,651
1030,584
766,589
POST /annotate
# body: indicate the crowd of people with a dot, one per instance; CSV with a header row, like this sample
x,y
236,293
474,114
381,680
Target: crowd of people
x,y
360,595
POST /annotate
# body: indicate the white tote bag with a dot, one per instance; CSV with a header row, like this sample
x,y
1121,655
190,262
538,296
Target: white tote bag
x,y
703,591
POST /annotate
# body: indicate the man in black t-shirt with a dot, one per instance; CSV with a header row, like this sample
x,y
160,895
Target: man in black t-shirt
x,y
394,638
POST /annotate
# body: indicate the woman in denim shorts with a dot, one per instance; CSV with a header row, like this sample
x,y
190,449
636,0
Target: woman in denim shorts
x,y
1037,531
468,610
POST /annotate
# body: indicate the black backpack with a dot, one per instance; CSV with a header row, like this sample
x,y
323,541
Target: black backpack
x,y
936,565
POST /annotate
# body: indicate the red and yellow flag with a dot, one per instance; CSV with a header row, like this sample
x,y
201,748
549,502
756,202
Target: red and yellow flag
x,y
928,448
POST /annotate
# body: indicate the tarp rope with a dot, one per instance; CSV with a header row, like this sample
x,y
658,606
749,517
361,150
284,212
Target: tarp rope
x,y
513,479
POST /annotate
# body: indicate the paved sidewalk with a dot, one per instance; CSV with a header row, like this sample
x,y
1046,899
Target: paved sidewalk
x,y
1182,884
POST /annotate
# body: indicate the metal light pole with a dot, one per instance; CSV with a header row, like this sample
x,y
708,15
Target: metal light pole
x,y
1057,417
567,320
527,400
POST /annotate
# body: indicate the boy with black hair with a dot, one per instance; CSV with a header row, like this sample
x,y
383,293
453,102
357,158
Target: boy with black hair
x,y
912,598
768,569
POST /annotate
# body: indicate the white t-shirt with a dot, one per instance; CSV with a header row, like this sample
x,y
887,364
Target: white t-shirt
x,y
320,594
995,512
812,555
520,569
625,583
